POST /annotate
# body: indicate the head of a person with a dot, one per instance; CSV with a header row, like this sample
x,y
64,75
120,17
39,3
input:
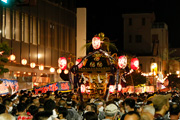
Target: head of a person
x,y
23,99
100,105
146,116
111,110
91,107
6,116
44,115
161,102
62,103
148,108
90,116
8,104
69,102
21,107
33,109
2,108
129,104
62,111
40,109
174,109
1,100
49,105
132,115
36,102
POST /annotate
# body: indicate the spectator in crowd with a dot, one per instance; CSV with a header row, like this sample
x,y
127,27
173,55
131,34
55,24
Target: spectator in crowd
x,y
174,111
62,103
100,109
129,104
50,106
8,104
161,105
149,108
132,115
146,116
90,116
62,113
72,113
2,108
36,102
111,112
44,115
21,112
6,116
33,110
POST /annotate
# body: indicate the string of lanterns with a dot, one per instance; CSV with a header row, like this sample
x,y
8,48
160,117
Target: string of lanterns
x,y
12,58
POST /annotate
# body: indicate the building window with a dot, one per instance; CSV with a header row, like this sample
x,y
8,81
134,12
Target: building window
x,y
138,38
130,38
143,21
130,21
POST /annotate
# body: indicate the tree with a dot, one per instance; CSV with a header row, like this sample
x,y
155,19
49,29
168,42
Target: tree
x,y
4,52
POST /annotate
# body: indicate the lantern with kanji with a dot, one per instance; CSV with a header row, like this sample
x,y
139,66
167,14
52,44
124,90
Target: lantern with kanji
x,y
111,88
134,63
122,62
78,61
96,42
62,62
83,88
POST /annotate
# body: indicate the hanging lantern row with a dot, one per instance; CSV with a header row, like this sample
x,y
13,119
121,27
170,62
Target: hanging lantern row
x,y
122,62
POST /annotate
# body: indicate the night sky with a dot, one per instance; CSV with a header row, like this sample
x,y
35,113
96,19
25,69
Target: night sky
x,y
106,16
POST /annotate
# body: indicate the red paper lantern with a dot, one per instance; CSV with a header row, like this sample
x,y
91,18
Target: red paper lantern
x,y
78,61
62,62
111,88
119,87
96,42
122,61
83,88
134,63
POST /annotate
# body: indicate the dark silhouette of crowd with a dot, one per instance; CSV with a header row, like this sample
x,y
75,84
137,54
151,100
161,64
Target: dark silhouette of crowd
x,y
26,105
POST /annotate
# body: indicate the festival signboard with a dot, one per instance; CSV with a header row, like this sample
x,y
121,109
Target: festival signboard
x,y
60,86
8,86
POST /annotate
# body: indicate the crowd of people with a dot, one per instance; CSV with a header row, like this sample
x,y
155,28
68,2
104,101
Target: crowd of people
x,y
26,105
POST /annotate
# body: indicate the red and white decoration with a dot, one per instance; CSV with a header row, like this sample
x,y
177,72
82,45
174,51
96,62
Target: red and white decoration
x,y
96,42
111,88
83,88
78,61
62,62
122,62
119,87
134,63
